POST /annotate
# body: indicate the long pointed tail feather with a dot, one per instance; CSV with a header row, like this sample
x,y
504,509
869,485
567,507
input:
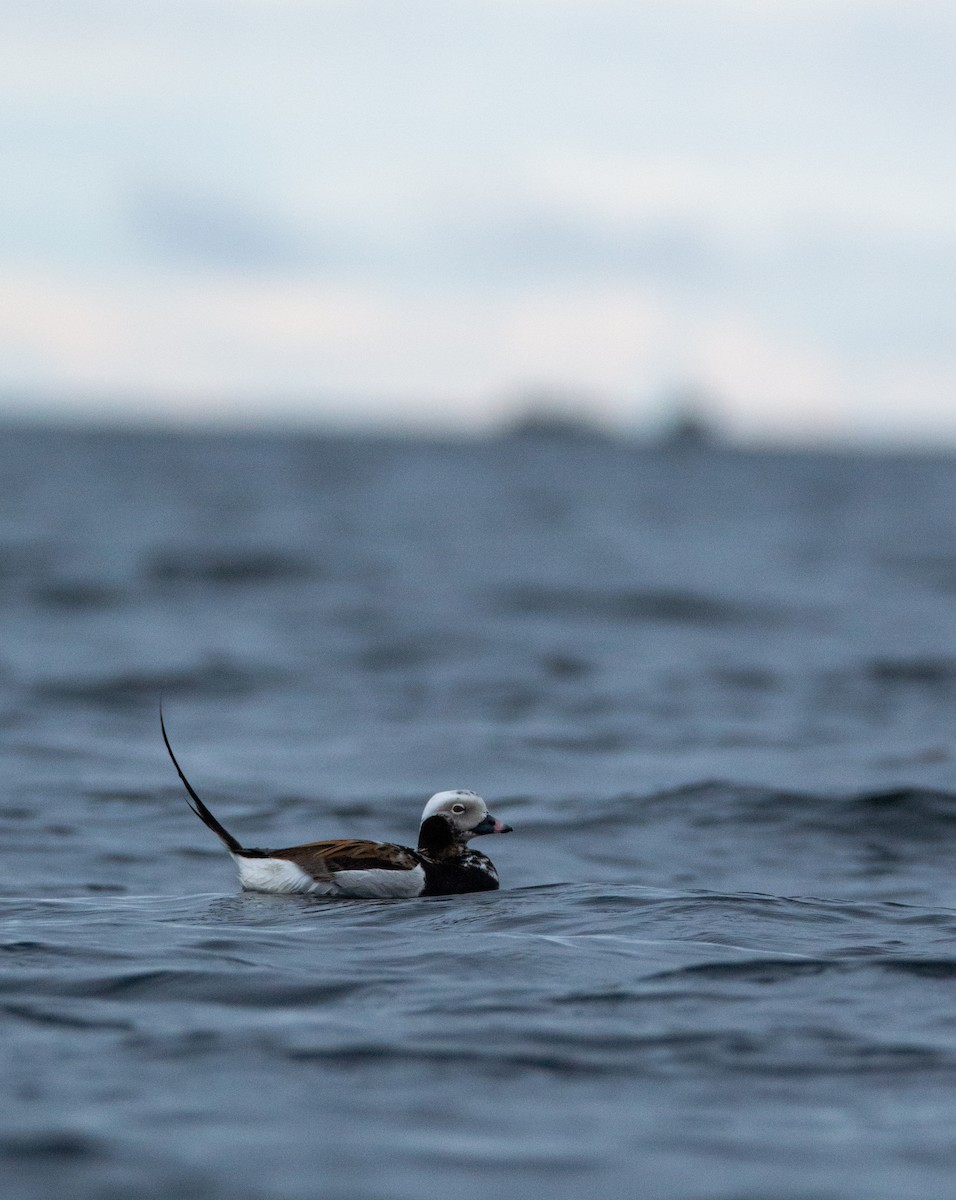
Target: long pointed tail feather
x,y
201,811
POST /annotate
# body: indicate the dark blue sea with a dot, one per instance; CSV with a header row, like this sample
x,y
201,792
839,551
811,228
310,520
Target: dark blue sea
x,y
714,692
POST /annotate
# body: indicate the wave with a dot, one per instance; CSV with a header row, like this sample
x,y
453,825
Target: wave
x,y
771,970
622,604
225,985
214,677
932,671
46,1144
816,1053
908,813
210,567
77,595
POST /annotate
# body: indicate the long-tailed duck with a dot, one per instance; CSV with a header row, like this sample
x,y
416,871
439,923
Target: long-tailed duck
x,y
441,866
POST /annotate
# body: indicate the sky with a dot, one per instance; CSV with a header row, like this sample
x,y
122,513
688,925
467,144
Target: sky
x,y
435,213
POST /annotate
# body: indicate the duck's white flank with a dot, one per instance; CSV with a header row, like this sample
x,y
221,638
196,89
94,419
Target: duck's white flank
x,y
396,885
280,875
276,875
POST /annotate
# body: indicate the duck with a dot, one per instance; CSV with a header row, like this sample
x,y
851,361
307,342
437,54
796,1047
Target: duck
x,y
441,865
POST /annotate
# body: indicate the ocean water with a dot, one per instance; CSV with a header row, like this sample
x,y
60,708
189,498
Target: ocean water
x,y
714,692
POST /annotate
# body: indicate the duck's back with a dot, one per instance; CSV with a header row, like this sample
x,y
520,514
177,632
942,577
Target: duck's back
x,y
335,868
348,855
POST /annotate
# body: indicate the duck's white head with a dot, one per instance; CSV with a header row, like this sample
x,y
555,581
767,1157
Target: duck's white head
x,y
465,813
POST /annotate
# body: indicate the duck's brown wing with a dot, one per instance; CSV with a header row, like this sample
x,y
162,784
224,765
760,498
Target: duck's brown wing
x,y
320,859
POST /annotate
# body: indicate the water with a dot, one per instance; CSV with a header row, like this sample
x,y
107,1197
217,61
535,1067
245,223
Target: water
x,y
714,693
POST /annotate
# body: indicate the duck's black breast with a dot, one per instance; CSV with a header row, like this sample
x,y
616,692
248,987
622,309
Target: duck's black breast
x,y
467,872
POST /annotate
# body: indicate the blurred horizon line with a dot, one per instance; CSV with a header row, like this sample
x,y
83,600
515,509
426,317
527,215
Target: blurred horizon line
x,y
676,426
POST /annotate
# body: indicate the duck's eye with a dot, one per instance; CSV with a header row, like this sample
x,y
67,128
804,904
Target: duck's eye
x,y
458,808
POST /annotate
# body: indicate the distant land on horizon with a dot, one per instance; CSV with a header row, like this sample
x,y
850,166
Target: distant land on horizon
x,y
684,428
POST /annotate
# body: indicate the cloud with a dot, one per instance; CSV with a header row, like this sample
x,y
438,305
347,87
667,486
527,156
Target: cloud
x,y
197,230
744,199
